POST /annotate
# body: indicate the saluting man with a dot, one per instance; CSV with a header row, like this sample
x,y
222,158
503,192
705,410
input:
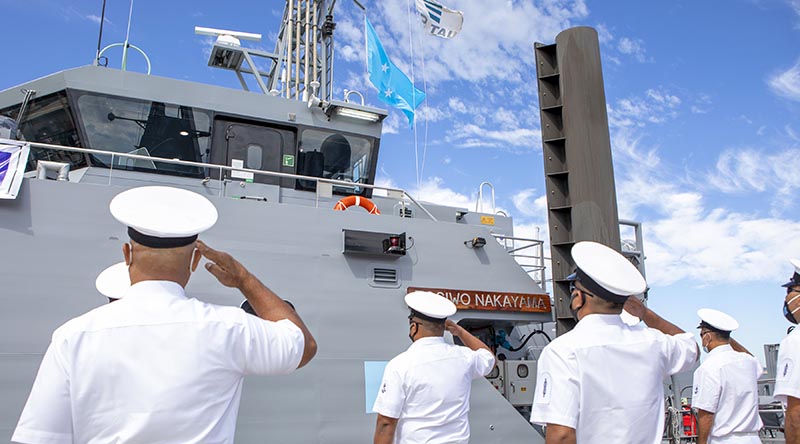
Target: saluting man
x,y
787,381
424,395
158,366
725,391
603,381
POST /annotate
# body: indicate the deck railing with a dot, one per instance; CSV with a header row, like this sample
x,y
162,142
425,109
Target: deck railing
x,y
398,193
529,254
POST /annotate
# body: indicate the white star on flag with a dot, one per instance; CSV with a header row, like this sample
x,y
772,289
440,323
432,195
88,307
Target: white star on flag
x,y
388,92
385,67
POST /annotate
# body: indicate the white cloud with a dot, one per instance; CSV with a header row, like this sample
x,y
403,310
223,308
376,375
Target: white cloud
x,y
382,179
795,5
391,125
96,19
687,240
702,104
457,105
434,191
506,118
431,114
747,169
633,48
470,135
656,106
603,34
661,97
787,83
529,204
717,245
498,48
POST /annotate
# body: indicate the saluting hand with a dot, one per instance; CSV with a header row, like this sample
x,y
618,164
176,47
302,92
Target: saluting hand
x,y
452,327
228,271
635,307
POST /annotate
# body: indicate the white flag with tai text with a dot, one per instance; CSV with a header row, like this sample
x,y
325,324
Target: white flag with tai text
x,y
439,20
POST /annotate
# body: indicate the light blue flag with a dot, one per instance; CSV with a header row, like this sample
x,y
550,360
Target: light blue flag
x,y
394,88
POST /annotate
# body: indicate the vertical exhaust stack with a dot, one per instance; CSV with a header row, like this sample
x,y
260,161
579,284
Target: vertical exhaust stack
x,y
579,175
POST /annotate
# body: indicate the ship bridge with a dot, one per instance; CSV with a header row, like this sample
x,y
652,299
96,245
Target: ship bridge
x,y
133,113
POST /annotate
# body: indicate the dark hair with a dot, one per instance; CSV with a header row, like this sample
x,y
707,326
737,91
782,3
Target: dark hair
x,y
431,324
722,335
719,334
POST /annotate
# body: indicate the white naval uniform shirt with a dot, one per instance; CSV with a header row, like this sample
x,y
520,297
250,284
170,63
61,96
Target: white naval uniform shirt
x,y
726,385
153,367
787,379
605,379
427,387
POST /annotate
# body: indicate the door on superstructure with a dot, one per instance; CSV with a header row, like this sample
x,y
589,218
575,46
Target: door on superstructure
x,y
256,147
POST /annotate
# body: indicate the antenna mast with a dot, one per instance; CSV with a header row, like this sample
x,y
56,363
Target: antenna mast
x,y
100,37
304,50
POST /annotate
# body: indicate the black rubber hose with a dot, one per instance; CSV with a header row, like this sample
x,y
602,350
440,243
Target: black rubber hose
x,y
535,332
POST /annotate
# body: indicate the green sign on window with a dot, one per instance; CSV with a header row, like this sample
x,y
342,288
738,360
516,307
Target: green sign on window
x,y
288,161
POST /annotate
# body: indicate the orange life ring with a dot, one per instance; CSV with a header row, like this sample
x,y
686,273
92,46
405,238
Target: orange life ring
x,y
363,202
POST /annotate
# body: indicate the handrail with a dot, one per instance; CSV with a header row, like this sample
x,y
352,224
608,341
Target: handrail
x,y
479,203
538,256
221,168
141,51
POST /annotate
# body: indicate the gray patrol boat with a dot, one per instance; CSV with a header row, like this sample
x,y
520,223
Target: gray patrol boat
x,y
275,162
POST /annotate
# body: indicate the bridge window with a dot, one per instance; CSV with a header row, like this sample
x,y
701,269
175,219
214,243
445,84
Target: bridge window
x,y
151,129
332,155
48,119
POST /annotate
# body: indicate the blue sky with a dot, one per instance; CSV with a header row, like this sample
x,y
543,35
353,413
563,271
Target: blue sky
x,y
703,102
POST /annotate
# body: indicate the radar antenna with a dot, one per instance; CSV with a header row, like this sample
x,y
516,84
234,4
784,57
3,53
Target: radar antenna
x,y
303,54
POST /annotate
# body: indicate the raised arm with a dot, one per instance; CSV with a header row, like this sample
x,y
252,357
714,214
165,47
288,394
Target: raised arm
x,y
267,305
739,347
466,337
635,307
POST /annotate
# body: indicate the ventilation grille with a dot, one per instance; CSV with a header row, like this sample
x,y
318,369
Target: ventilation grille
x,y
405,212
384,275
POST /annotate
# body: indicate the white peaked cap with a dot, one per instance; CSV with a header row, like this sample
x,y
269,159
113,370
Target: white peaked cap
x,y
114,281
795,280
608,269
717,319
164,212
430,304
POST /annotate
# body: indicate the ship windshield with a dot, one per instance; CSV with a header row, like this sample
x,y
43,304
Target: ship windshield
x,y
48,119
336,156
145,128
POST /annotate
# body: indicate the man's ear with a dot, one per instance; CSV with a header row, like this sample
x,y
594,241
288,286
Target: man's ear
x,y
127,253
196,256
582,297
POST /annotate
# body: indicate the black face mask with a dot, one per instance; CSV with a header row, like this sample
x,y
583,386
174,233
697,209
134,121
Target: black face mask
x,y
411,335
575,311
